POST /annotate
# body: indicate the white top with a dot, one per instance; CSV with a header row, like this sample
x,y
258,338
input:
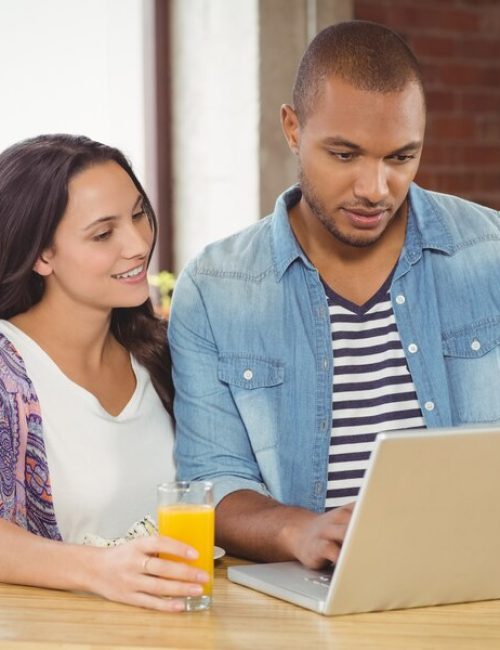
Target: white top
x,y
103,469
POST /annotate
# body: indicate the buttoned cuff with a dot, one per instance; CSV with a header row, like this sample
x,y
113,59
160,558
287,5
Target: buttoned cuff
x,y
224,485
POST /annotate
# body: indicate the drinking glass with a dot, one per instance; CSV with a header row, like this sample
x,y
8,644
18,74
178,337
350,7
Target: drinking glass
x,y
186,513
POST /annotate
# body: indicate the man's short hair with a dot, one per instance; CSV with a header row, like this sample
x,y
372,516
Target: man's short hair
x,y
367,55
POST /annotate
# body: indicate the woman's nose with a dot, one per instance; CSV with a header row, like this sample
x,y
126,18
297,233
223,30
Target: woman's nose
x,y
137,239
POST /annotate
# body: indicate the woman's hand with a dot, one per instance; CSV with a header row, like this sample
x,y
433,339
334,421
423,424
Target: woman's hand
x,y
133,573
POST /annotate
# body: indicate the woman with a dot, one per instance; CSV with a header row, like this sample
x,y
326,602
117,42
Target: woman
x,y
85,389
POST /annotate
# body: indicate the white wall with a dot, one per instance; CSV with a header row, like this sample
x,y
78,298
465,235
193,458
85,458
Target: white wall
x,y
215,120
74,66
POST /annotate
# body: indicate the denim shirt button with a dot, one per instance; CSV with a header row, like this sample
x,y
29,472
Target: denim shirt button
x,y
323,425
429,406
413,347
248,374
475,345
400,299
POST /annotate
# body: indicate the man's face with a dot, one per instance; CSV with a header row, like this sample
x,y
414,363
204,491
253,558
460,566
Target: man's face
x,y
358,152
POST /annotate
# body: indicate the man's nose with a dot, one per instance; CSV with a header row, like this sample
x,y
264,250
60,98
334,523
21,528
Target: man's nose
x,y
371,182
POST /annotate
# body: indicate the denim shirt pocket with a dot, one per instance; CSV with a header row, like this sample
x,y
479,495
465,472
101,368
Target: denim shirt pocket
x,y
255,384
472,357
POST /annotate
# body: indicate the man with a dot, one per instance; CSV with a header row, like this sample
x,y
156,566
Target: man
x,y
401,284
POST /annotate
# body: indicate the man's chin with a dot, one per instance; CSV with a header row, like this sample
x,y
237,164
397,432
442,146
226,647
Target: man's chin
x,y
360,242
356,239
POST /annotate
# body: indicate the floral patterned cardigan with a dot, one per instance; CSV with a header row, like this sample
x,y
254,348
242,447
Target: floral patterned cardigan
x,y
25,493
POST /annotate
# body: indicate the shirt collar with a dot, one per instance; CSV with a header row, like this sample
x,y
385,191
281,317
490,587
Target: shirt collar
x,y
426,229
286,248
426,224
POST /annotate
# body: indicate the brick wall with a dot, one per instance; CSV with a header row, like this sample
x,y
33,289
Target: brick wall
x,y
458,44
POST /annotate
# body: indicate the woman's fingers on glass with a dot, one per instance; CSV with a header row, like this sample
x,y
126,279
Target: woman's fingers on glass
x,y
169,546
160,604
165,588
177,571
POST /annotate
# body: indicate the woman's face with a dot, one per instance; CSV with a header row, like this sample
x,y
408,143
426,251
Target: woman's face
x,y
102,244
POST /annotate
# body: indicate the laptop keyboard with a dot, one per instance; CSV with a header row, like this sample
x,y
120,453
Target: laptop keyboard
x,y
322,579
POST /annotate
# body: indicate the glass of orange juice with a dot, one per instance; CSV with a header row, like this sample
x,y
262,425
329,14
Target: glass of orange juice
x,y
186,513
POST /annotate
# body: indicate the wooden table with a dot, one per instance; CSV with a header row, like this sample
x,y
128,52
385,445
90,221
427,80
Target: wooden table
x,y
42,619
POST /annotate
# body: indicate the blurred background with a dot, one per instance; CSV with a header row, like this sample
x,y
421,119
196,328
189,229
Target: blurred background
x,y
190,90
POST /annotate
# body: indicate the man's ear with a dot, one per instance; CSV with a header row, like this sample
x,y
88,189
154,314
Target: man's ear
x,y
43,265
291,127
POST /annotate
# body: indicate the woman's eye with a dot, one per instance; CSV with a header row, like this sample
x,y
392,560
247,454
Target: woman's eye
x,y
138,215
102,236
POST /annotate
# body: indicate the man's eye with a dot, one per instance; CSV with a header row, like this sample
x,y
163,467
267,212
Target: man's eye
x,y
402,157
342,155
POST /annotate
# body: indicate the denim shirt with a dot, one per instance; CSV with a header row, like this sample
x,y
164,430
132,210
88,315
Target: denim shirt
x,y
252,355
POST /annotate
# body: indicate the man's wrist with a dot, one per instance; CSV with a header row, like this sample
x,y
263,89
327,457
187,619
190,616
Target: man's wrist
x,y
291,536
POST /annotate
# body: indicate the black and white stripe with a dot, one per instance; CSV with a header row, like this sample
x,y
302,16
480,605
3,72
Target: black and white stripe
x,y
372,389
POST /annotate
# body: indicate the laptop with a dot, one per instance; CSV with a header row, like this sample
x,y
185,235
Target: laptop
x,y
425,530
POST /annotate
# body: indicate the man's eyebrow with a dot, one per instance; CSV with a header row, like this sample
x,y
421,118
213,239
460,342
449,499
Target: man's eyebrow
x,y
335,141
411,146
112,217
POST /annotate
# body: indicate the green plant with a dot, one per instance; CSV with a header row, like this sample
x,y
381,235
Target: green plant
x,y
163,282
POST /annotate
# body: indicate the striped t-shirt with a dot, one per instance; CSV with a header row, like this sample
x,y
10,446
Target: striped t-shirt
x,y
372,388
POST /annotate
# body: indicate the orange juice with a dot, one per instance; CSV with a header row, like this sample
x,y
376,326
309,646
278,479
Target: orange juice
x,y
193,525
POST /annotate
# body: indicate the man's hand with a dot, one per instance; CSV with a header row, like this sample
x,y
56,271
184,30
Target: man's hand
x,y
257,527
318,540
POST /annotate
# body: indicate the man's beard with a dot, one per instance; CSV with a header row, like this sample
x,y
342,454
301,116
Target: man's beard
x,y
328,222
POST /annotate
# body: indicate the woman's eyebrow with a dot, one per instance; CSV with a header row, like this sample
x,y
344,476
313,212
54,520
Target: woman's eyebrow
x,y
99,221
111,217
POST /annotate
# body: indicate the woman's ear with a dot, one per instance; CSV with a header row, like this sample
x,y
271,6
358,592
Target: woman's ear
x,y
43,265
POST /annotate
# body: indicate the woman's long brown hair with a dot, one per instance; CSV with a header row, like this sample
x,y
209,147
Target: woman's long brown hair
x,y
34,179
